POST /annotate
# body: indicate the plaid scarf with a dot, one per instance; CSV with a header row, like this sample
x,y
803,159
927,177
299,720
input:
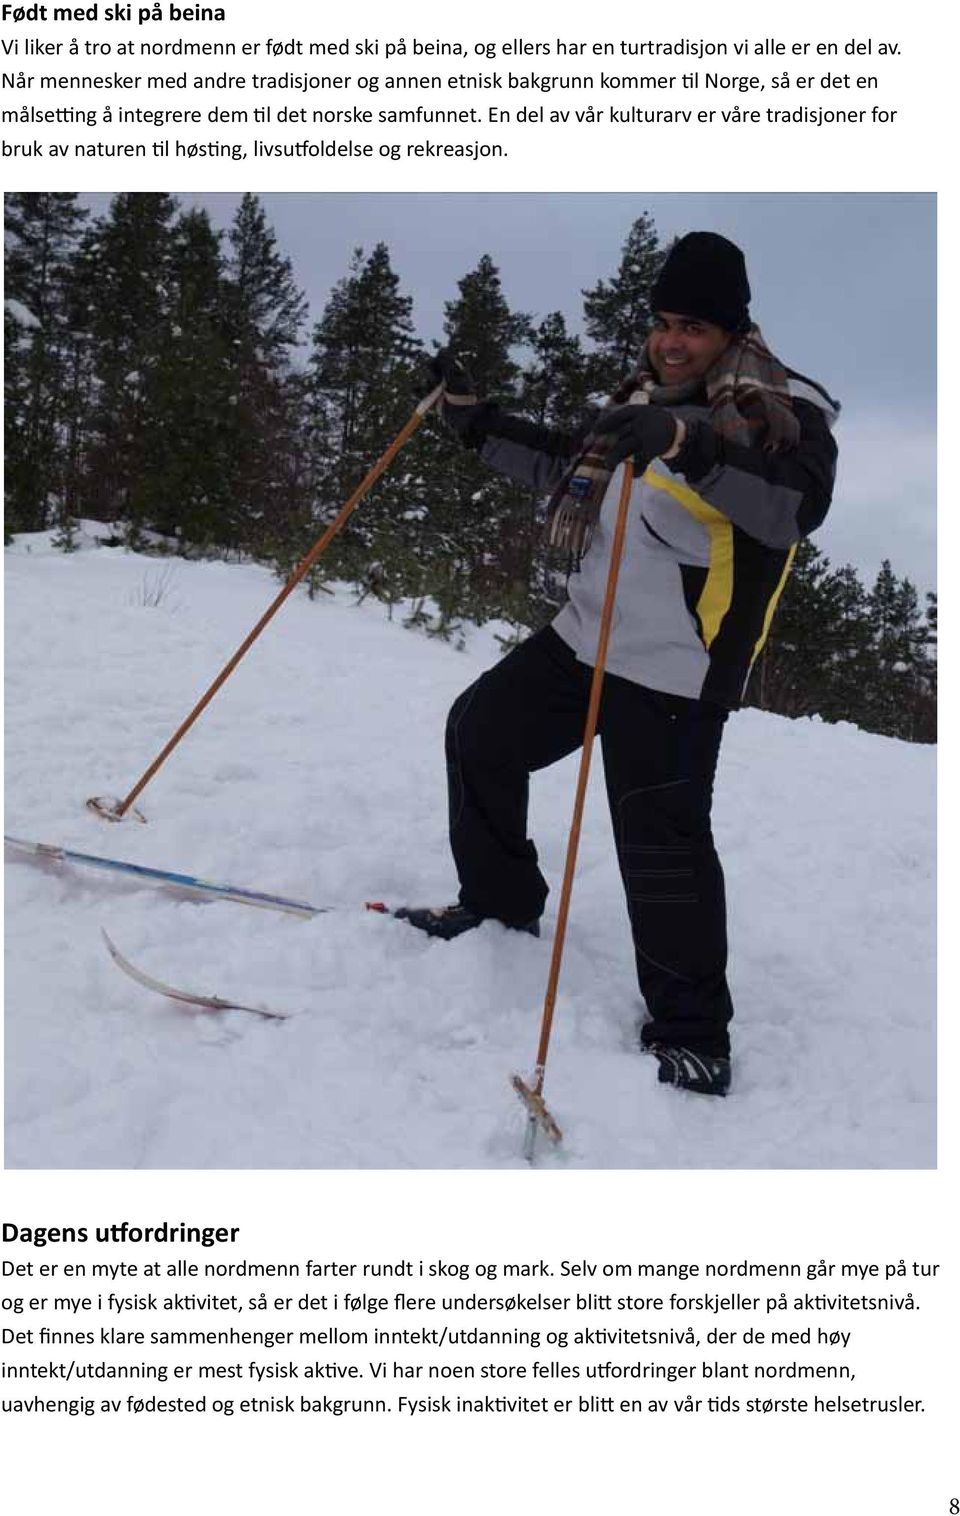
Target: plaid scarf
x,y
749,400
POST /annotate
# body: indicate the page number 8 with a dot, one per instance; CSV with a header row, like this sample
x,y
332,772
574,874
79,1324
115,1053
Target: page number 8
x,y
955,1507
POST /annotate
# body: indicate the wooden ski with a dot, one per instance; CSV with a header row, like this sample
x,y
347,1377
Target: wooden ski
x,y
187,997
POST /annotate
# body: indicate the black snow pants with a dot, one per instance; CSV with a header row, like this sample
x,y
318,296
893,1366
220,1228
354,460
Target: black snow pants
x,y
659,756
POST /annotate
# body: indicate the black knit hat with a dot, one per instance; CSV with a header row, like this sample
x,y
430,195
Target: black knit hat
x,y
705,275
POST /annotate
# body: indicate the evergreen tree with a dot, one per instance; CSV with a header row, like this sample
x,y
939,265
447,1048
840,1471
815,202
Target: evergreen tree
x,y
20,509
291,523
900,655
267,309
848,662
557,385
187,459
483,528
481,327
265,312
617,312
365,377
925,729
81,295
132,253
556,390
932,620
41,232
817,656
837,651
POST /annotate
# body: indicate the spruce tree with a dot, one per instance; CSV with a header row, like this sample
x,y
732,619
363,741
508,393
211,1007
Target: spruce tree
x,y
41,233
846,654
267,307
481,327
264,311
483,528
847,667
20,508
133,250
899,649
617,312
557,386
556,380
81,296
365,377
184,491
817,659
926,704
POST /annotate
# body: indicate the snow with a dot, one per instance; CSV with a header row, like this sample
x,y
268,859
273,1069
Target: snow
x,y
21,315
318,773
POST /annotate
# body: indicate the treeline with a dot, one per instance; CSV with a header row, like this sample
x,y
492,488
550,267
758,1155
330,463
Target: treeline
x,y
163,376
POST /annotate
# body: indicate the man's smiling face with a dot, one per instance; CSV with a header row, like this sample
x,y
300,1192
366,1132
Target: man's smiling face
x,y
682,348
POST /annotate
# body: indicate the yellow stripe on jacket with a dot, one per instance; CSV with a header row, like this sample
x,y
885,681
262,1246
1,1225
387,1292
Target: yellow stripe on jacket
x,y
773,602
717,592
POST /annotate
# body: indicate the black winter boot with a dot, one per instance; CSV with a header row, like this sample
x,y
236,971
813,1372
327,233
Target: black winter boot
x,y
699,1072
449,921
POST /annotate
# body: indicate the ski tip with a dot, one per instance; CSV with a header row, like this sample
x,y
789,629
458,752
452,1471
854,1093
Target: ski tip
x,y
122,963
377,905
185,997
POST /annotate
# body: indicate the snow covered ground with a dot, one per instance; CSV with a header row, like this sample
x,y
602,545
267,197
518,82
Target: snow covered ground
x,y
318,772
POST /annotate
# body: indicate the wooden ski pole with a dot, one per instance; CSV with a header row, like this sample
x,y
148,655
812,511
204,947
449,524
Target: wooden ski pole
x,y
116,810
532,1094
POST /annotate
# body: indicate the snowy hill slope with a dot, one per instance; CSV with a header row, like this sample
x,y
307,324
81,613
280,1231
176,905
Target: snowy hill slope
x,y
318,772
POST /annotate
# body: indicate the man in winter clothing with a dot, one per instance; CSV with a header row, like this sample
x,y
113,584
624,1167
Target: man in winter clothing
x,y
733,464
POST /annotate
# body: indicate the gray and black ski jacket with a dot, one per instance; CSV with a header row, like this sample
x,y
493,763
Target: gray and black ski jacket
x,y
711,539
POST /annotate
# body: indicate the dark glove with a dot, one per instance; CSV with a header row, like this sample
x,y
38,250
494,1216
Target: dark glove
x,y
460,407
449,372
642,432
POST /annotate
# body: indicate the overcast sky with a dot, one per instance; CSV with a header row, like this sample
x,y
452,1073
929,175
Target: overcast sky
x,y
844,289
